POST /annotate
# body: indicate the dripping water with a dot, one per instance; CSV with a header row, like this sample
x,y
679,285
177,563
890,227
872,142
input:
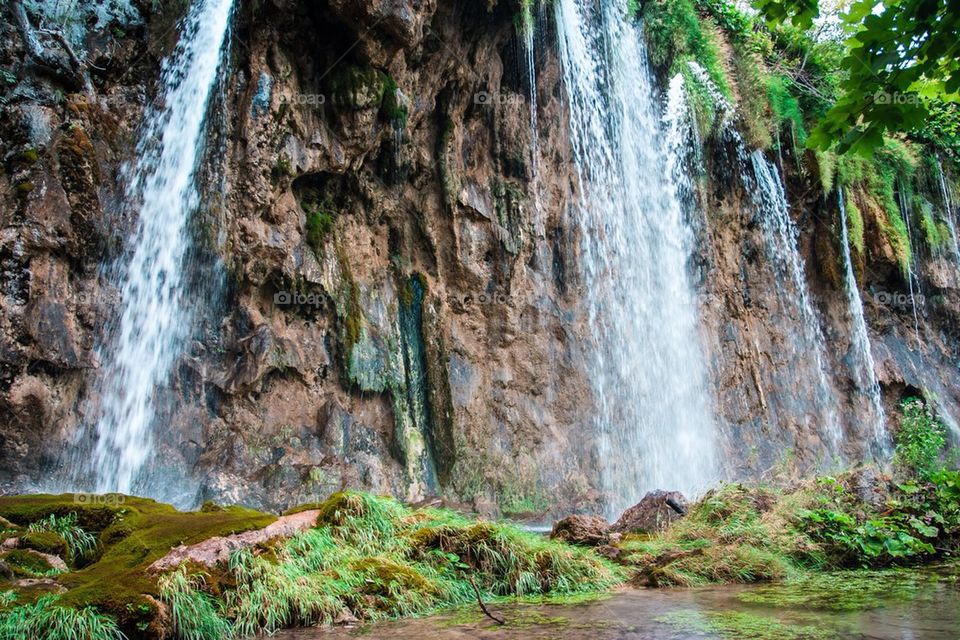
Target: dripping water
x,y
781,235
864,370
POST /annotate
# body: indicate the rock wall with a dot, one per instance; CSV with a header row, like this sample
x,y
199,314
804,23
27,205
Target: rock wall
x,y
389,292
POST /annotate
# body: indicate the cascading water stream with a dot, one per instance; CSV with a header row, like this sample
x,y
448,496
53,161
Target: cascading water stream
x,y
862,363
140,351
808,360
781,233
948,211
653,420
911,273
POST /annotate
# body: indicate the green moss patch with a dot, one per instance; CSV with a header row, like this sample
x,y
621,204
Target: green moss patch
x,y
130,533
26,564
45,542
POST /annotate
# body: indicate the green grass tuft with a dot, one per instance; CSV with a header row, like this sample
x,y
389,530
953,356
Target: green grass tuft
x,y
81,542
46,620
196,615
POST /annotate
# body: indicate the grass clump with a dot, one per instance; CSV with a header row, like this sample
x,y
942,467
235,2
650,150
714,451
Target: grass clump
x,y
195,615
734,534
378,559
749,534
45,619
80,542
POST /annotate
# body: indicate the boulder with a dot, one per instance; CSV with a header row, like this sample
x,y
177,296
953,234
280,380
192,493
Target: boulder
x,y
869,486
657,510
590,531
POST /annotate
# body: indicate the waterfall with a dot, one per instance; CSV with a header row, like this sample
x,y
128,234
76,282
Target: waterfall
x,y
911,273
806,344
948,211
863,367
141,348
653,421
528,27
808,352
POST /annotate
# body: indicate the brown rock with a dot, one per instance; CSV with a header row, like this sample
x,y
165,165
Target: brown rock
x,y
651,514
345,617
869,486
218,549
590,531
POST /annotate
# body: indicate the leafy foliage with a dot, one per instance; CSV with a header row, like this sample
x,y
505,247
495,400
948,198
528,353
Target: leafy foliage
x,y
900,61
920,440
800,12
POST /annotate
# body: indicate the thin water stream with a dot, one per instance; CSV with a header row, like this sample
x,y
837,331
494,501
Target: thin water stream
x,y
864,370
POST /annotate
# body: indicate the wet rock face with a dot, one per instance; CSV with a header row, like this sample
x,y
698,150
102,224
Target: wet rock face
x,y
388,310
385,304
653,513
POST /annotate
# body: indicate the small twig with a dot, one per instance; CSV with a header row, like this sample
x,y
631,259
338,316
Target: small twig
x,y
483,607
65,45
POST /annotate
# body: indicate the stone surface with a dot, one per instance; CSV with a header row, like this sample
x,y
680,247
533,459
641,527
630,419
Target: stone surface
x,y
217,550
870,486
651,514
590,531
275,404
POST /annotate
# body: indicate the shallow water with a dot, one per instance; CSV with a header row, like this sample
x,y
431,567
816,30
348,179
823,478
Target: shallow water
x,y
842,606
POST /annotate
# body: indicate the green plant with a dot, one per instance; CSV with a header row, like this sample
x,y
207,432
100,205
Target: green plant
x,y
195,614
81,542
878,540
44,619
920,440
319,225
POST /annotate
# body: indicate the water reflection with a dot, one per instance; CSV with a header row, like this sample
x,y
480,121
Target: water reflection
x,y
892,605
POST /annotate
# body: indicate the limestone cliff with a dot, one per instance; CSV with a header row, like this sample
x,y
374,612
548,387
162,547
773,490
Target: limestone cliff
x,y
389,291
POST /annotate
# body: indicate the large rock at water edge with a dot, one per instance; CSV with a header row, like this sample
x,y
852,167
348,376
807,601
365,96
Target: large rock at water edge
x,y
657,510
590,531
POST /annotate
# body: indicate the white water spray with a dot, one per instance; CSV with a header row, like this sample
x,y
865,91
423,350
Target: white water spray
x,y
864,370
154,317
653,419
